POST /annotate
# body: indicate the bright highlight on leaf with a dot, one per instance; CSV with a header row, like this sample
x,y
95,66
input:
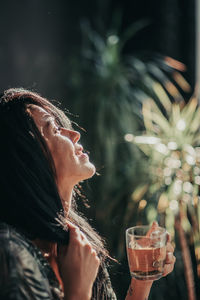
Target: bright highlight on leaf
x,y
171,142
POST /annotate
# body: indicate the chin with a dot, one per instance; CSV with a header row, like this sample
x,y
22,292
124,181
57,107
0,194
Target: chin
x,y
91,170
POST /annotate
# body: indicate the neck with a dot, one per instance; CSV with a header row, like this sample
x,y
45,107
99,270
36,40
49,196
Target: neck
x,y
66,198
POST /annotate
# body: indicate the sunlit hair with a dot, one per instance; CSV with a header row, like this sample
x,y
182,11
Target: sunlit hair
x,y
29,198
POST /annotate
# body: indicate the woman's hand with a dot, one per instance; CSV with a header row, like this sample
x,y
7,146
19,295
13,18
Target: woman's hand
x,y
139,290
170,258
78,266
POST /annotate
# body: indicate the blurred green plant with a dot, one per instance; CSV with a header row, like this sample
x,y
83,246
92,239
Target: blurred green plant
x,y
108,88
171,141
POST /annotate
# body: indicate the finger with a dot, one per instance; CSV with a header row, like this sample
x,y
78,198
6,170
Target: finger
x,y
78,238
76,232
168,268
61,250
84,238
94,253
154,226
71,225
170,248
168,237
169,258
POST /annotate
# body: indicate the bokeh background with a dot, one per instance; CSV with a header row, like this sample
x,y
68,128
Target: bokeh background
x,y
125,72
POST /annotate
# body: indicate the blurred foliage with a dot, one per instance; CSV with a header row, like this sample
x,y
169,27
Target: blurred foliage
x,y
108,88
171,142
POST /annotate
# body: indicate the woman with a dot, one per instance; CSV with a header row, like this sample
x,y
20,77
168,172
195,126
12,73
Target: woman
x,y
47,250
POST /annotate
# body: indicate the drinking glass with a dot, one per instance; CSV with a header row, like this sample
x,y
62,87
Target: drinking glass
x,y
146,251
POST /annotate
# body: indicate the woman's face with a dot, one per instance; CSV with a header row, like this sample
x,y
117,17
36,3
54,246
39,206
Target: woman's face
x,y
72,165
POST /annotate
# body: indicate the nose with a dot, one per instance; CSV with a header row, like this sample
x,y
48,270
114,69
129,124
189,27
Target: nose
x,y
72,134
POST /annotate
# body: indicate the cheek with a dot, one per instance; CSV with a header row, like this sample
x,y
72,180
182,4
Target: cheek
x,y
63,154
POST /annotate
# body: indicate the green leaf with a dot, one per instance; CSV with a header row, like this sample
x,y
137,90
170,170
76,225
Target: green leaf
x,y
176,114
189,109
132,30
195,124
162,95
162,122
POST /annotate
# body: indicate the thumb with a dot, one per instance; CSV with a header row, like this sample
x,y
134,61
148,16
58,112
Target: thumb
x,y
154,226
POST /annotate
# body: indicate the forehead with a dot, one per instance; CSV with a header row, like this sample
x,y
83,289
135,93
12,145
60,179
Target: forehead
x,y
39,114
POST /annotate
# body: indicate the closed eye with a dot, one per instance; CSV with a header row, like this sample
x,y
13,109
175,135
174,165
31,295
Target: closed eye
x,y
57,129
52,125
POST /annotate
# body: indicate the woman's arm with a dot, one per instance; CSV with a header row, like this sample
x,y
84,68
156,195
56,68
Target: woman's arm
x,y
139,290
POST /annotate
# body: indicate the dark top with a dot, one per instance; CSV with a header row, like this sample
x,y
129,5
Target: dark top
x,y
26,275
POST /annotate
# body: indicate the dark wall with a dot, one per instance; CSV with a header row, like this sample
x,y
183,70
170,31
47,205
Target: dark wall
x,y
38,36
30,44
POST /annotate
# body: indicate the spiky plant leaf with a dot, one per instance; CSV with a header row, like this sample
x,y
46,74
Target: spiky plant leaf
x,y
174,163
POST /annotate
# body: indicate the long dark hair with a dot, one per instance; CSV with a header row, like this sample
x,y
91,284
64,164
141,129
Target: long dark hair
x,y
29,198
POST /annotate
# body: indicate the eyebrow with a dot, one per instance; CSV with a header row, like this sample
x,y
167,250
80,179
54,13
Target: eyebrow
x,y
47,117
48,120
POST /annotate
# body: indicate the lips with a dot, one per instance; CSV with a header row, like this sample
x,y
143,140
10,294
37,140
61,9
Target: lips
x,y
78,149
83,155
79,152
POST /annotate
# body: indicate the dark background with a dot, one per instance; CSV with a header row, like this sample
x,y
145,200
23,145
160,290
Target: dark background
x,y
39,38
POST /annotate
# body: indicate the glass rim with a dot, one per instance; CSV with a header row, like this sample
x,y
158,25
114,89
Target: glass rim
x,y
163,232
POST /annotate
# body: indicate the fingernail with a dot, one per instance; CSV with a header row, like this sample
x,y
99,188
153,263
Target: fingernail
x,y
170,255
155,223
157,264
